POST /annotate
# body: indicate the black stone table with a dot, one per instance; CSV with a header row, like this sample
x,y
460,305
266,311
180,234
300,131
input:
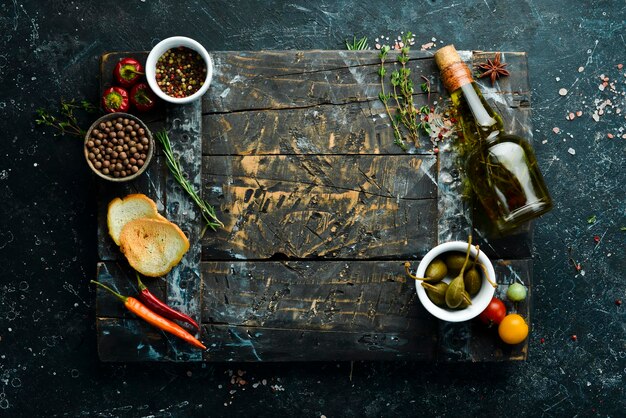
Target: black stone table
x,y
577,350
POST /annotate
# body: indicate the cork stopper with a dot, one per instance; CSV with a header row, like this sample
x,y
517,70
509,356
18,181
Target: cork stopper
x,y
454,72
447,56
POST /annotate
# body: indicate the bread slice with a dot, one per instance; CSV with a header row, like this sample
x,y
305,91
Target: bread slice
x,y
153,246
122,211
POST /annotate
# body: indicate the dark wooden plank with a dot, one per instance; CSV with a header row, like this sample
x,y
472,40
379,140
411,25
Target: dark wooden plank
x,y
472,340
131,339
287,79
321,206
353,128
372,296
249,344
183,290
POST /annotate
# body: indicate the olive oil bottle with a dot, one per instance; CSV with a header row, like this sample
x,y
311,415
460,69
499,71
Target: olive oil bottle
x,y
501,168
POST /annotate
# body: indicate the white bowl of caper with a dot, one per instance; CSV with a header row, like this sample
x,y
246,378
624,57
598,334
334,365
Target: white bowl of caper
x,y
455,281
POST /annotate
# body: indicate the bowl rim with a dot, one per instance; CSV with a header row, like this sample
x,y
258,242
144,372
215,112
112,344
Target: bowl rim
x,y
479,302
173,42
115,115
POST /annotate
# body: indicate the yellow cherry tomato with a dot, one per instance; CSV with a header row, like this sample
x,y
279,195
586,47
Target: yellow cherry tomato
x,y
513,329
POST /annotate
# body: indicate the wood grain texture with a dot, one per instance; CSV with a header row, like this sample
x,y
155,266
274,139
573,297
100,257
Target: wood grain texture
x,y
321,206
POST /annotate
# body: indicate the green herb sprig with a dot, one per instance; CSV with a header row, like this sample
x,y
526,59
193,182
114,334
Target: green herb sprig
x,y
406,115
357,44
208,211
65,121
385,97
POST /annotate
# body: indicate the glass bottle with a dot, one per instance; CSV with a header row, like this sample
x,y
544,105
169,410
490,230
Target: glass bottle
x,y
501,168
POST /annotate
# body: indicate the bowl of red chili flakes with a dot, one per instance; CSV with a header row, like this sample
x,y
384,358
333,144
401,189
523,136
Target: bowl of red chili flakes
x,y
179,70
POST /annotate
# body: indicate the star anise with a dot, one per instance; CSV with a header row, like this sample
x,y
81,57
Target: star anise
x,y
493,69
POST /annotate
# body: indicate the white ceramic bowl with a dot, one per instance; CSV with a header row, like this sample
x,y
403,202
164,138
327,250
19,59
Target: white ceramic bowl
x,y
479,301
175,42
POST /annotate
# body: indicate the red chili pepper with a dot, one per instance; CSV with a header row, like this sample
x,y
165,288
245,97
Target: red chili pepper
x,y
154,319
128,71
142,97
115,99
160,307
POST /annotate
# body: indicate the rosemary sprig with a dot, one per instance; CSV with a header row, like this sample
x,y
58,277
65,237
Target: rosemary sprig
x,y
208,211
65,121
357,45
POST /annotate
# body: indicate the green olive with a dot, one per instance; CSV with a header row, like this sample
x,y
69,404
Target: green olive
x,y
473,281
436,270
454,262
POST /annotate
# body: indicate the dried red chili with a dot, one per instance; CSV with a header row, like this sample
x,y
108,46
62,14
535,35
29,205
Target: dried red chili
x,y
142,97
160,307
115,99
154,319
128,71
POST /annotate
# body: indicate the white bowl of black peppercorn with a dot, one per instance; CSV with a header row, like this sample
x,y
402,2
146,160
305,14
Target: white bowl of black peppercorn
x,y
118,147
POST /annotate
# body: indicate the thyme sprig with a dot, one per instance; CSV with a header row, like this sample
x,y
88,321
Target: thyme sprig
x,y
385,97
406,114
65,121
173,163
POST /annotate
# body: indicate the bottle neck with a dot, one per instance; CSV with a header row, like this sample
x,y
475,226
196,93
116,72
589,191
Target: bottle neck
x,y
488,123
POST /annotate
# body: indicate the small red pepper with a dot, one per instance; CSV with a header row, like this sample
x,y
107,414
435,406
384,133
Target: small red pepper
x,y
142,97
128,71
160,307
115,99
154,319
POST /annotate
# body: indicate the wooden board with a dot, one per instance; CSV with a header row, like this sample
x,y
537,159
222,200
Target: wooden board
x,y
320,209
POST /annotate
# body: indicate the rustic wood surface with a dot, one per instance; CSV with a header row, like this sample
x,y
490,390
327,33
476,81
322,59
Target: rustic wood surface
x,y
320,209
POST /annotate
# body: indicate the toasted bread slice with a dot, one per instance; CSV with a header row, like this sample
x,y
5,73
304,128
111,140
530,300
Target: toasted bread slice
x,y
122,211
153,246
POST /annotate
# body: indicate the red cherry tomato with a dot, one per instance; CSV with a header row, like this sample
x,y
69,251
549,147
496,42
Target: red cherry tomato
x,y
494,313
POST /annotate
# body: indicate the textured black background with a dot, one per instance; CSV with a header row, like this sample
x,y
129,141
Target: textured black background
x,y
48,359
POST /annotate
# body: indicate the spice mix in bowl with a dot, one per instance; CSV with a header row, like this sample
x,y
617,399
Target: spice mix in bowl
x,y
118,147
179,70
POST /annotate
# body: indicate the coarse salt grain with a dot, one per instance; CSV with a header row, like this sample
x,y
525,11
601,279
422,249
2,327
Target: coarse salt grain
x,y
620,66
558,78
609,136
572,151
601,87
556,130
581,69
572,116
563,92
595,117
579,113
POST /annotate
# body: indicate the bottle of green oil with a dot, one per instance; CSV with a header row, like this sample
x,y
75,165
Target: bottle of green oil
x,y
501,168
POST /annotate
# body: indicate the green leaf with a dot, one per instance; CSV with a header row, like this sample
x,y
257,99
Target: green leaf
x,y
623,228
592,219
424,87
382,71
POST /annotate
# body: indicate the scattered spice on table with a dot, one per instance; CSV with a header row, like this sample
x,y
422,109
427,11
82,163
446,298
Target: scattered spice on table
x,y
180,72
